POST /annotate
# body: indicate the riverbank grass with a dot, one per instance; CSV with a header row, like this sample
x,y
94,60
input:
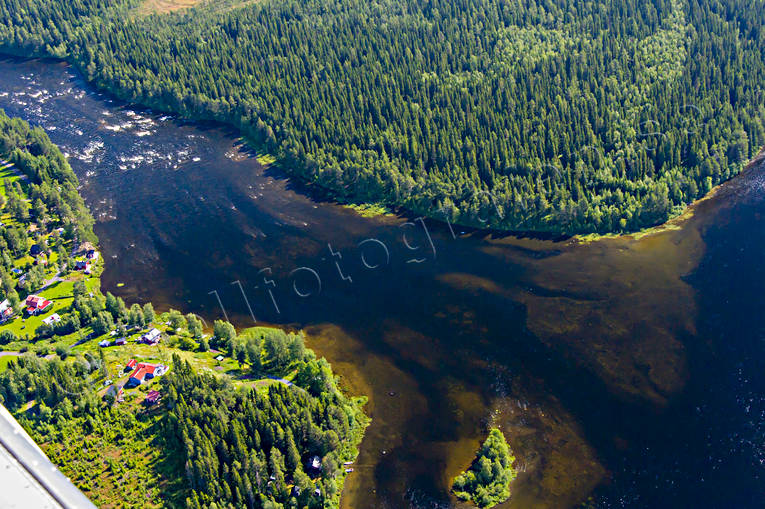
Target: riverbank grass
x,y
370,209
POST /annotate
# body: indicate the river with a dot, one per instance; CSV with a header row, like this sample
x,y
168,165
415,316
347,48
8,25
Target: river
x,y
628,369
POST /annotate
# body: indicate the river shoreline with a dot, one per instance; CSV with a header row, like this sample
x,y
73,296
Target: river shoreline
x,y
322,194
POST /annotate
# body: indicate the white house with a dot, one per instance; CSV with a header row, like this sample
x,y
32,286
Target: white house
x,y
151,337
52,319
6,311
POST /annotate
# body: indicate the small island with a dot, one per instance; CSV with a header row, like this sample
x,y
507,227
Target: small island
x,y
487,482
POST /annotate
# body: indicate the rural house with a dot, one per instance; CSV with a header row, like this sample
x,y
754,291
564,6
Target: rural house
x,y
6,311
54,318
152,398
116,392
151,338
82,265
144,371
36,304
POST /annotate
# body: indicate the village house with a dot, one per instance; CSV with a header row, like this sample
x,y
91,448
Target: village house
x,y
121,342
104,343
82,265
54,318
144,371
92,254
130,365
116,392
151,338
36,304
84,248
152,398
6,311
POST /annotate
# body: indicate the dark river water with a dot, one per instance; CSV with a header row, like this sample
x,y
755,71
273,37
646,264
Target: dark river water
x,y
629,370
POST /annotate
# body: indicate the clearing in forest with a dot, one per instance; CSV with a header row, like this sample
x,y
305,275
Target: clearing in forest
x,y
163,6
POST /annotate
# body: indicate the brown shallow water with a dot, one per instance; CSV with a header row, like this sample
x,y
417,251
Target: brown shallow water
x,y
583,353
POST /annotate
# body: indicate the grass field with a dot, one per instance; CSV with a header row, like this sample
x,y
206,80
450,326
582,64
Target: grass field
x,y
60,294
164,6
4,360
6,174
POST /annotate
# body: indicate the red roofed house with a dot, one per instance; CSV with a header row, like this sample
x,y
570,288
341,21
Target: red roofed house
x,y
36,304
130,365
144,371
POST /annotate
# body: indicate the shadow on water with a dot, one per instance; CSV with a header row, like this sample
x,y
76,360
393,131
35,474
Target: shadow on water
x,y
591,357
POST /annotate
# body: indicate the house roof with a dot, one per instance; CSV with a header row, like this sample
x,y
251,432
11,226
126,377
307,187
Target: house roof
x,y
130,363
142,369
85,247
52,319
36,303
34,300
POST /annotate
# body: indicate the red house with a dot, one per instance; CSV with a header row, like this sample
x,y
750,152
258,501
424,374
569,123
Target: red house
x,y
130,365
36,304
144,371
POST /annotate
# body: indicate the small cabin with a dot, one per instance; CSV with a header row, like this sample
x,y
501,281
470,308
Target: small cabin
x,y
152,398
152,337
116,392
6,310
54,318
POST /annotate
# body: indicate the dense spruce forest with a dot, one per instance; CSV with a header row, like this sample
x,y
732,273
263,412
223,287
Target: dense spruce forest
x,y
52,188
550,115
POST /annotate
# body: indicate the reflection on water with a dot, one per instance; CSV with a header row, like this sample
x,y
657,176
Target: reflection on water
x,y
593,358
